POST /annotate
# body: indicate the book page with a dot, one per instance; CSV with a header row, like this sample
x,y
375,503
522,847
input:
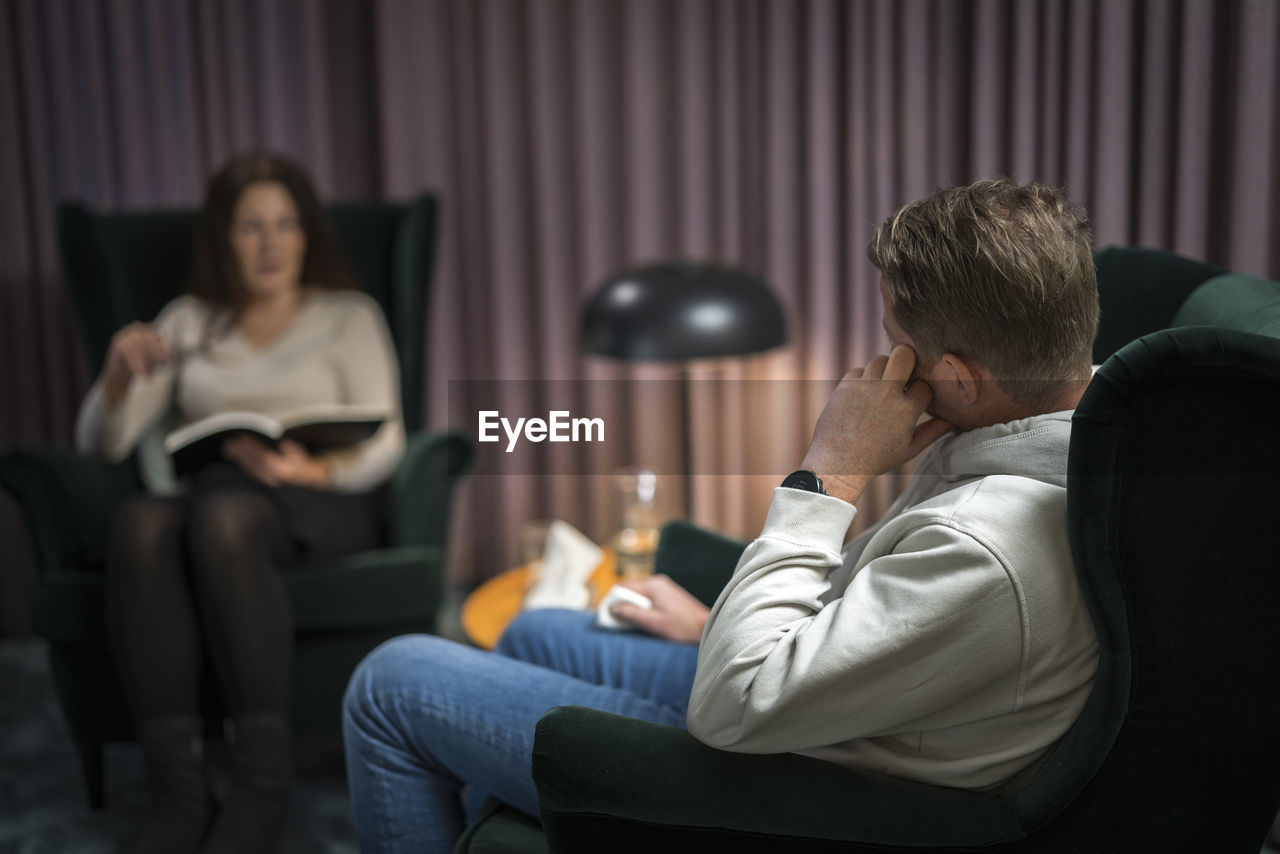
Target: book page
x,y
332,413
220,422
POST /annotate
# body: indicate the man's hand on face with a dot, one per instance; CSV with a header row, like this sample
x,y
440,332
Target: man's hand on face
x,y
869,425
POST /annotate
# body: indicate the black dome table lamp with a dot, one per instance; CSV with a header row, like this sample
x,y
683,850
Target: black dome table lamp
x,y
680,311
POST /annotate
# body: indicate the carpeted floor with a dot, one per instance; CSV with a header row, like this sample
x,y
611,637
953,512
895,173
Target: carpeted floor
x,y
43,807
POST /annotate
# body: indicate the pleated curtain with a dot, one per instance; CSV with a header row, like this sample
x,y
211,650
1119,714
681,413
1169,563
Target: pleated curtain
x,y
569,139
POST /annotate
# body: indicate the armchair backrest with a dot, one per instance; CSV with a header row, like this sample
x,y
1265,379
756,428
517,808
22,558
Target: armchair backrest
x,y
122,267
1165,505
1234,301
1140,291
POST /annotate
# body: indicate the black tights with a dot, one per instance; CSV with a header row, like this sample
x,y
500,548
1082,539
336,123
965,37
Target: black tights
x,y
186,573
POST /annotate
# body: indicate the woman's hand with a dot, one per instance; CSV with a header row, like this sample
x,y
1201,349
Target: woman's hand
x,y
675,614
136,350
289,465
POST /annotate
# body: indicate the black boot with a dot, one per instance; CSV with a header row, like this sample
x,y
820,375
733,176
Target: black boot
x,y
255,817
173,754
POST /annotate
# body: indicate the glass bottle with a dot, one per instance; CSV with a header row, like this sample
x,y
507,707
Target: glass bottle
x,y
637,539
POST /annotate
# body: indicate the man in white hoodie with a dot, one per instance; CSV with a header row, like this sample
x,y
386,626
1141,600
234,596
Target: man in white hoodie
x,y
949,643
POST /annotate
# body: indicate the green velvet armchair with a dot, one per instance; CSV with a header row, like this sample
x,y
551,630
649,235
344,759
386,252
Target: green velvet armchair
x,y
122,267
1170,505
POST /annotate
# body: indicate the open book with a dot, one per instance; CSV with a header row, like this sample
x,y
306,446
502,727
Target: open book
x,y
316,428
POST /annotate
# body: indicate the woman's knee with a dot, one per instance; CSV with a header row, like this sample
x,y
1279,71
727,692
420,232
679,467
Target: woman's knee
x,y
144,531
232,524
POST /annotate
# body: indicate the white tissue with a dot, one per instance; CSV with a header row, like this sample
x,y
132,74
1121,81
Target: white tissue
x,y
605,618
568,560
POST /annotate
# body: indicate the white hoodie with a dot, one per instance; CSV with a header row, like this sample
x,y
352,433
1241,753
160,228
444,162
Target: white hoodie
x,y
948,644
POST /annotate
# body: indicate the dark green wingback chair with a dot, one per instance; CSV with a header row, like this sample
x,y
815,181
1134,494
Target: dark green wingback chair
x,y
1170,504
122,267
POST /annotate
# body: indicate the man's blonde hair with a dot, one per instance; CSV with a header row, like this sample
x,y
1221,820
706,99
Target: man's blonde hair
x,y
998,272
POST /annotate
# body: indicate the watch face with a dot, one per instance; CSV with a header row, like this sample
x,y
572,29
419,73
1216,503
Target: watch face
x,y
803,479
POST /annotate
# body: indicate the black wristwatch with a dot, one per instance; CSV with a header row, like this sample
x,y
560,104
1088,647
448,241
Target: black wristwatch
x,y
804,479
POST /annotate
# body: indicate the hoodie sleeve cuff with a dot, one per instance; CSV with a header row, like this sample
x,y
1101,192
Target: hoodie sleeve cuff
x,y
808,519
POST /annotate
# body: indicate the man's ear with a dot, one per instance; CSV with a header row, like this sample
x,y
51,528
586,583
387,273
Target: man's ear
x,y
962,378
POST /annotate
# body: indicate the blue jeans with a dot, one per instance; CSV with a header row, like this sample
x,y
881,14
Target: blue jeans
x,y
424,717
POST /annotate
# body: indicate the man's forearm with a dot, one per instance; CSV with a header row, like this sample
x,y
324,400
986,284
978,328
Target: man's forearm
x,y
778,585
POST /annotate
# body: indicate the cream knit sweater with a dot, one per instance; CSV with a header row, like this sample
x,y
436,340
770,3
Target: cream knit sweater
x,y
337,351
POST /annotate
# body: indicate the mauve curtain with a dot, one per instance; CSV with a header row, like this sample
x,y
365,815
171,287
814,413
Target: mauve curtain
x,y
571,139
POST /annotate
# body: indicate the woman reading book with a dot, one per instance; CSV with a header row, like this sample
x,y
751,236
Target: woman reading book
x,y
272,323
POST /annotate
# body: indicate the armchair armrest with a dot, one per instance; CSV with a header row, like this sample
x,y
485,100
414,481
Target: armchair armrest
x,y
421,489
699,560
639,784
67,500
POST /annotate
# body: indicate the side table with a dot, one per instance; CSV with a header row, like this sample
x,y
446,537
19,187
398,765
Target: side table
x,y
494,604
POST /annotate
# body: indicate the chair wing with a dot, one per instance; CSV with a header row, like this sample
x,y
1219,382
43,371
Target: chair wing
x,y
121,267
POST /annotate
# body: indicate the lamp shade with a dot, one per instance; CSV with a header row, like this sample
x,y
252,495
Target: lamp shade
x,y
676,311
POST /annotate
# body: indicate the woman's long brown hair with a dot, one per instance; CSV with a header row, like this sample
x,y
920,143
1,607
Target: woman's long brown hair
x,y
215,274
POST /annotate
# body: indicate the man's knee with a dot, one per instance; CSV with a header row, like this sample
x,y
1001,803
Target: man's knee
x,y
533,634
401,661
